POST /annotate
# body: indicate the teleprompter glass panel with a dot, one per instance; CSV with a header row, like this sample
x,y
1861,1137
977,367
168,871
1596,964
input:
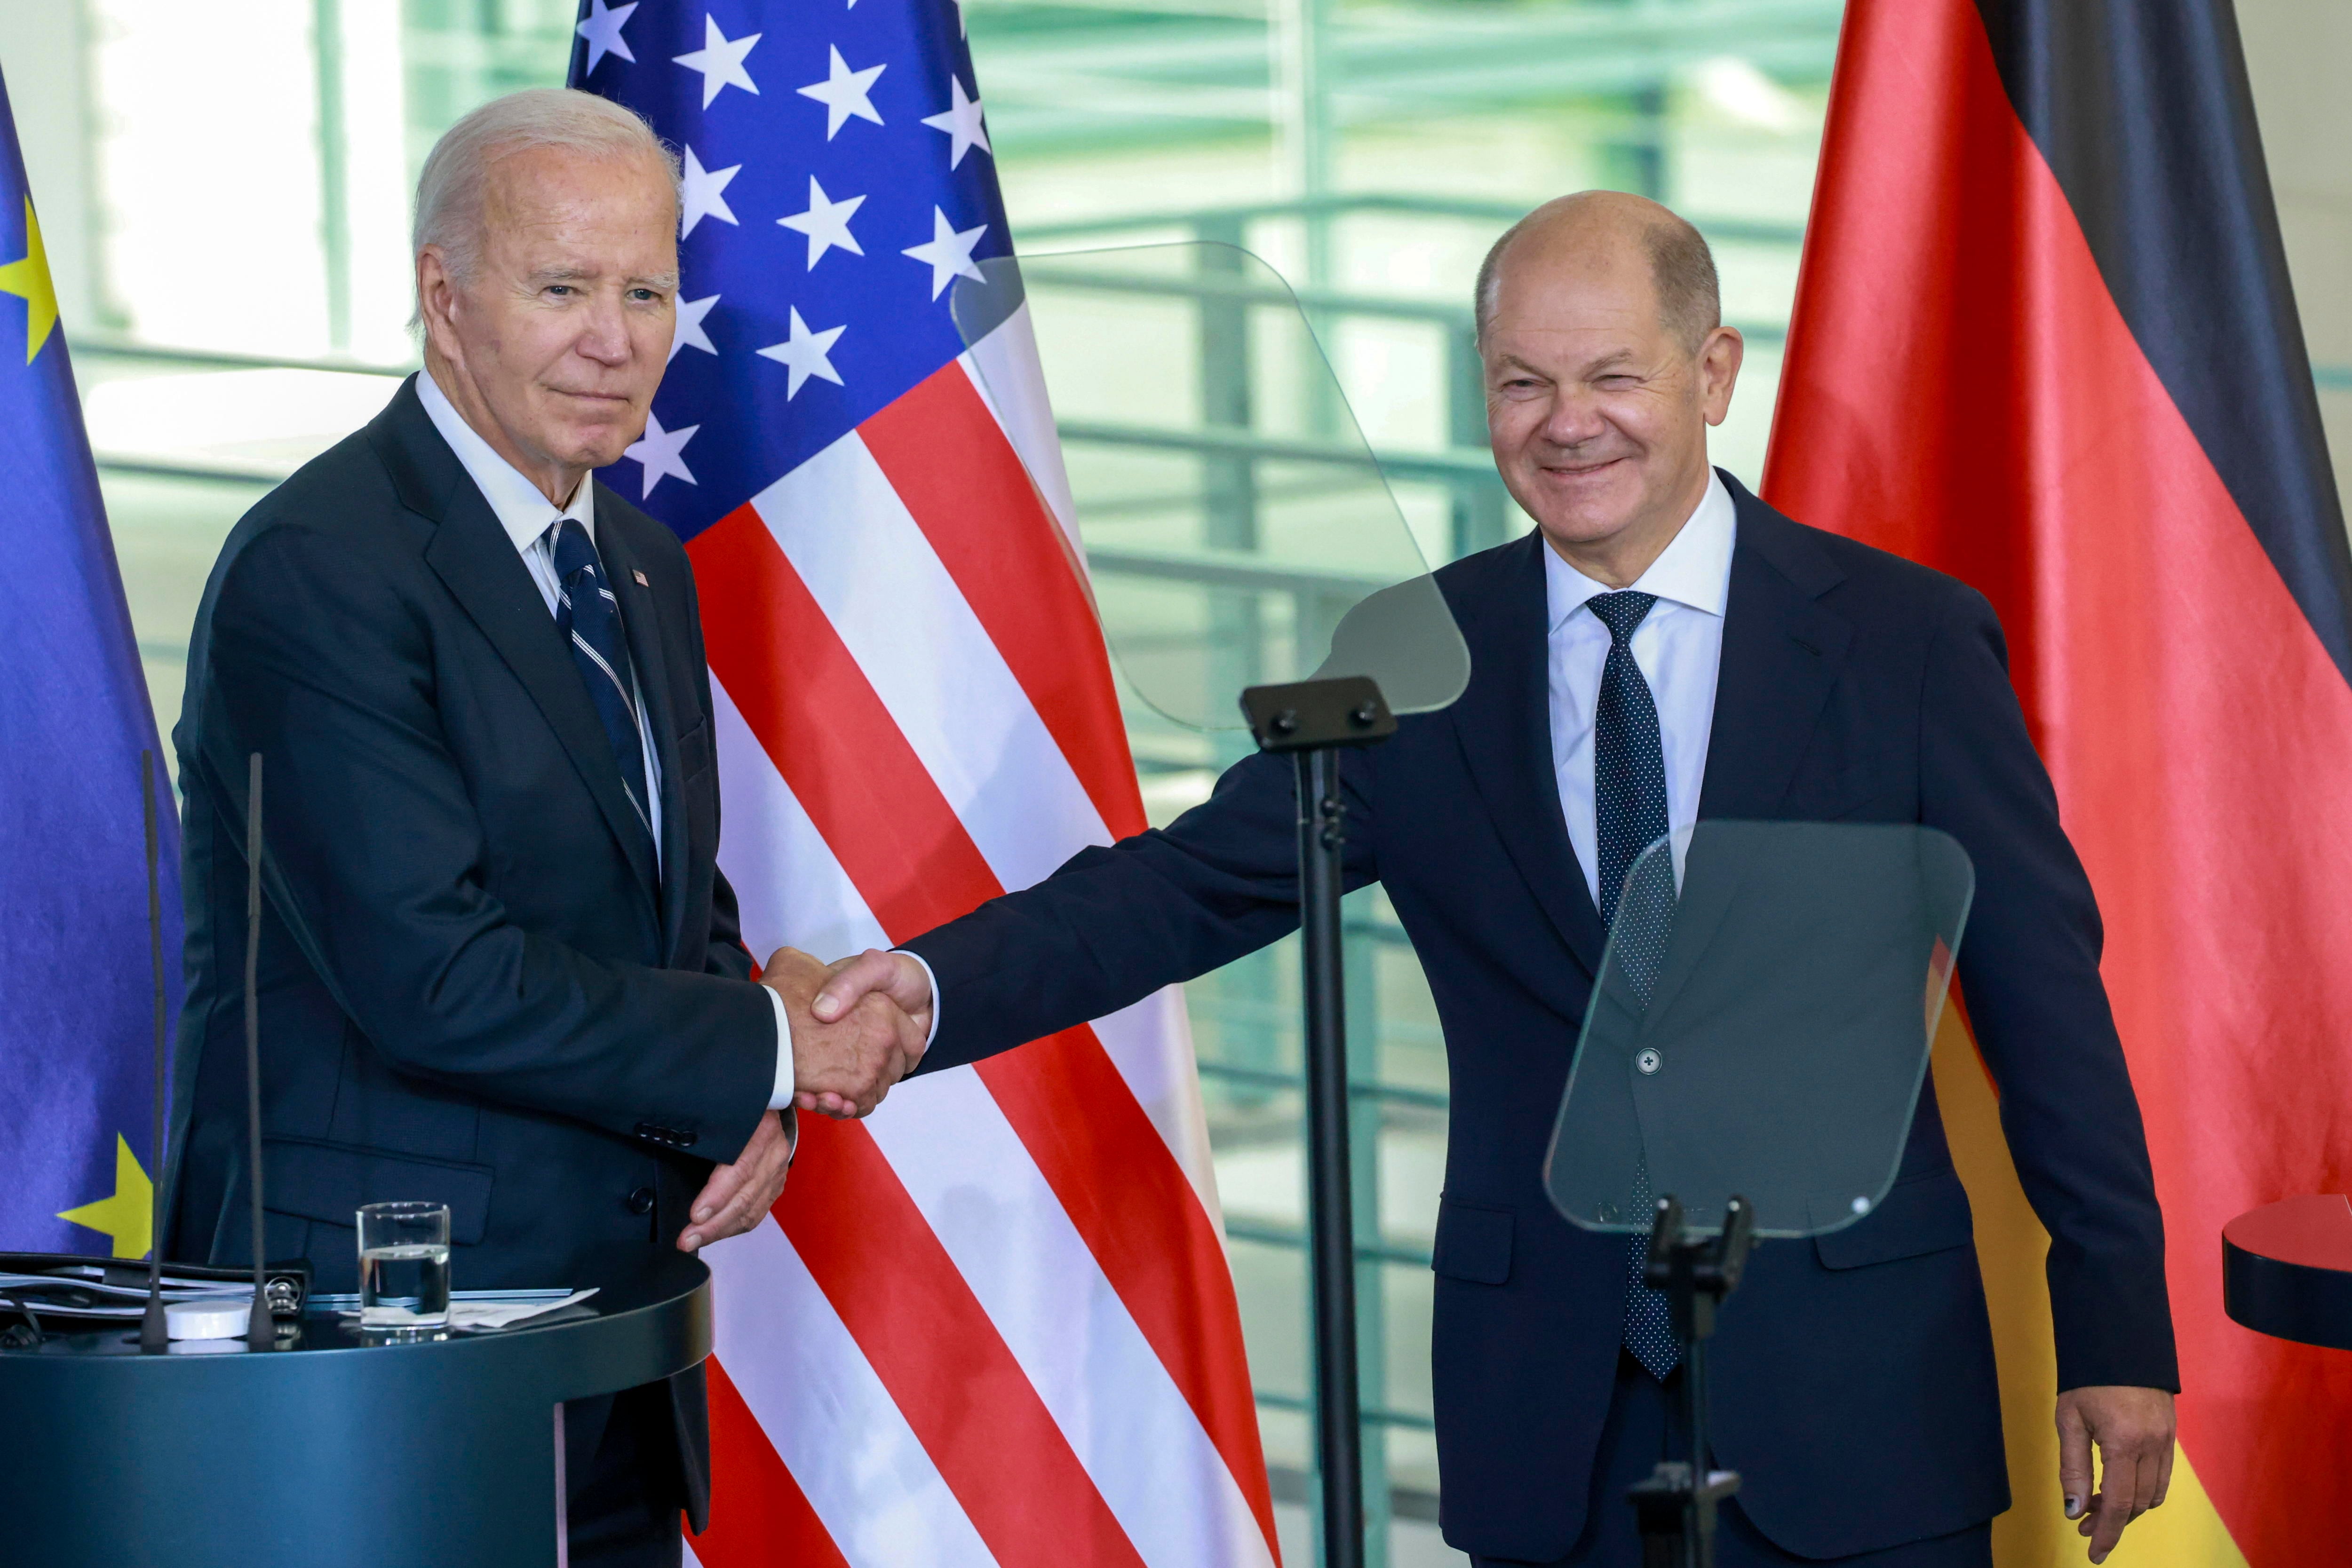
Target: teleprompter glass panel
x,y
1237,529
1762,1030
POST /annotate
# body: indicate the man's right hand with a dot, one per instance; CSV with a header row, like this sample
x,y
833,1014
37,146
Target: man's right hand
x,y
869,977
844,1057
874,973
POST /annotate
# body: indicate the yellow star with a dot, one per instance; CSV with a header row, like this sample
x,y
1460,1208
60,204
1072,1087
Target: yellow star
x,y
29,277
129,1216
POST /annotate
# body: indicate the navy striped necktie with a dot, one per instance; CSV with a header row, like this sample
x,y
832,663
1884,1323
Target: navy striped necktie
x,y
589,616
1629,815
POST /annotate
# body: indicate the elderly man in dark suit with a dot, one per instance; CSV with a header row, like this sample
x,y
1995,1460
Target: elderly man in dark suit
x,y
499,966
1735,664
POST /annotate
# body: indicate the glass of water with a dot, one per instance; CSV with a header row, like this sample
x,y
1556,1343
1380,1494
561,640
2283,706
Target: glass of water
x,y
404,1266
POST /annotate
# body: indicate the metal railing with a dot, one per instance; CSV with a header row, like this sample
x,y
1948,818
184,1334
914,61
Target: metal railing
x,y
1479,507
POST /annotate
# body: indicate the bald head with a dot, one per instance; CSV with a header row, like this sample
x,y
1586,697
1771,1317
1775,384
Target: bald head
x,y
1599,229
1605,361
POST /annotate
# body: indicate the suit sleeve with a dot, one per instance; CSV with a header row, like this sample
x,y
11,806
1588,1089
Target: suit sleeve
x,y
375,864
726,953
2030,975
1113,924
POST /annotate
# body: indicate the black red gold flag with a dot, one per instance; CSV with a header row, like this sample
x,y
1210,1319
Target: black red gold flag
x,y
2044,340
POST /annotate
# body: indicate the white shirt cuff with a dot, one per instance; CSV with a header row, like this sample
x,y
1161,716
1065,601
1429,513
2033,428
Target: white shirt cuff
x,y
933,982
783,1094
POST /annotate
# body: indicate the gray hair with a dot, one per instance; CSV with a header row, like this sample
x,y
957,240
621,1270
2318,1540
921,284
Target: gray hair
x,y
1690,299
449,192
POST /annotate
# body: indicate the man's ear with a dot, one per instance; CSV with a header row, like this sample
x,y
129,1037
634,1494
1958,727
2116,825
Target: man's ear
x,y
437,299
1719,357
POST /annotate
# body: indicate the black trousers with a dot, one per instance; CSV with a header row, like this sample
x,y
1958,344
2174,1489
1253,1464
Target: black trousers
x,y
623,1492
1642,1421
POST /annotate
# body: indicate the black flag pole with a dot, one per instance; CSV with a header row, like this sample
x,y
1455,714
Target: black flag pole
x,y
155,1330
261,1333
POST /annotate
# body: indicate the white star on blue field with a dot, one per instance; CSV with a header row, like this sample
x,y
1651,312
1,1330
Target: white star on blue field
x,y
838,181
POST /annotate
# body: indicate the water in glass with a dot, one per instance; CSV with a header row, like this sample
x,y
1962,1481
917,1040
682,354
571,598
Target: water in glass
x,y
403,1266
403,1287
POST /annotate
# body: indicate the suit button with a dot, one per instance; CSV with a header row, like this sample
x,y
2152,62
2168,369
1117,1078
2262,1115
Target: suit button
x,y
1648,1061
641,1201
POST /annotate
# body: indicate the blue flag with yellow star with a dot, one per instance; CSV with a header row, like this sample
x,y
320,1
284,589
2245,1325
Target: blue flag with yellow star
x,y
77,1029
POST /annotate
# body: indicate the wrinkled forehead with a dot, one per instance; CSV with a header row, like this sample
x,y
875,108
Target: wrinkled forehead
x,y
1580,304
1570,263
546,191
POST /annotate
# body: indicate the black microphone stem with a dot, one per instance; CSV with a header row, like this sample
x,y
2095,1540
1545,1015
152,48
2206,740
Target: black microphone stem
x,y
261,1333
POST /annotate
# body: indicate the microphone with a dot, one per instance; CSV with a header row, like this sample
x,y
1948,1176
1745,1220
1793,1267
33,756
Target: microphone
x,y
261,1333
155,1333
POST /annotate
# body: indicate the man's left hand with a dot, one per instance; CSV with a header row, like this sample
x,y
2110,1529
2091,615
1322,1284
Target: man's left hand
x,y
2133,1428
735,1196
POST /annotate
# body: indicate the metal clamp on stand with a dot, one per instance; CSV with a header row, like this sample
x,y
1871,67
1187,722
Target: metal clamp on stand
x,y
1676,1508
1317,715
1313,720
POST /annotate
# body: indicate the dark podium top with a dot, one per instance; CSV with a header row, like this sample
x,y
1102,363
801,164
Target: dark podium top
x,y
332,1452
2286,1270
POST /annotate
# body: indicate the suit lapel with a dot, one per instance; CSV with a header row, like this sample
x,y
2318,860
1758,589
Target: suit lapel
x,y
476,560
641,622
1504,722
1781,654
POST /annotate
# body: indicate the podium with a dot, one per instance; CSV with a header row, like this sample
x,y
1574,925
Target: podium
x,y
331,1453
2286,1270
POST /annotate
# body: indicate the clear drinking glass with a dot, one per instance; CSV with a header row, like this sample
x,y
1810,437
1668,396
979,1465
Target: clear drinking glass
x,y
404,1266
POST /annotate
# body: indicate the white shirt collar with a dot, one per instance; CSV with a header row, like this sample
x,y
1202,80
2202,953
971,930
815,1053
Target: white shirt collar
x,y
522,509
1694,569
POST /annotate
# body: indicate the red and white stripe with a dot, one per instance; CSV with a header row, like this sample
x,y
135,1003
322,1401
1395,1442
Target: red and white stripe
x,y
993,1323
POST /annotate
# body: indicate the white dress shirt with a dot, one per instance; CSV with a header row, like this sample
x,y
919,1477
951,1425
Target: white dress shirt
x,y
1679,648
530,521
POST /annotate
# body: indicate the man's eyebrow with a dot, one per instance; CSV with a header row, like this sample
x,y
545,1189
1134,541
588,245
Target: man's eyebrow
x,y
665,281
1512,361
1606,360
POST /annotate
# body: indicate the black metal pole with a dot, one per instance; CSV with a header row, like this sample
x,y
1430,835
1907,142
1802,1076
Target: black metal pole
x,y
1700,1521
1337,1421
154,1329
261,1333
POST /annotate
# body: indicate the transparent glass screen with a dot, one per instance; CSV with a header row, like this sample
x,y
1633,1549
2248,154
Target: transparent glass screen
x,y
1237,529
1763,1030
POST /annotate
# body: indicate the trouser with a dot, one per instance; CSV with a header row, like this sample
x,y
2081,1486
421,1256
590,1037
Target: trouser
x,y
1642,1422
622,1494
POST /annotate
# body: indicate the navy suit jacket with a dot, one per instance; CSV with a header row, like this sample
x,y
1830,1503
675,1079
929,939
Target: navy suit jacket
x,y
1853,1377
475,988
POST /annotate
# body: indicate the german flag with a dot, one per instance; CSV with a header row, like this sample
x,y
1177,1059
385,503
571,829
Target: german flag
x,y
2044,340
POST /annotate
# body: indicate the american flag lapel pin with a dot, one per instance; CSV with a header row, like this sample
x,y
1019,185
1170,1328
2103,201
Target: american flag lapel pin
x,y
640,577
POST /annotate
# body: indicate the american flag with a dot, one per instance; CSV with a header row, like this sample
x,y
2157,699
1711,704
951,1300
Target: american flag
x,y
994,1322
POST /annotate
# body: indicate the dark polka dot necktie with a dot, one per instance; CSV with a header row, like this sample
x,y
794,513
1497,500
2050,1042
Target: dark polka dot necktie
x,y
1629,815
589,616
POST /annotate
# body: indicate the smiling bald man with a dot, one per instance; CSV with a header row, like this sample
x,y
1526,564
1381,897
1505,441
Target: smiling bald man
x,y
1771,672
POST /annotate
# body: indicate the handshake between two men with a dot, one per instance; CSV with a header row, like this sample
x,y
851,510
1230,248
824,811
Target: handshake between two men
x,y
857,1027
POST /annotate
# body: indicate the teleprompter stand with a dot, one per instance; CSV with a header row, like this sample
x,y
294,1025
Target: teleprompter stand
x,y
1772,1045
1314,721
1676,1505
1325,579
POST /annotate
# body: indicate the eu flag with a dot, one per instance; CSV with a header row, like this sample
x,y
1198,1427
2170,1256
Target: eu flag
x,y
76,989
